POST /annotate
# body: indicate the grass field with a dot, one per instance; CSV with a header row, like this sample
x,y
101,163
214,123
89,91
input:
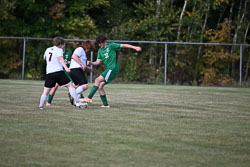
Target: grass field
x,y
148,125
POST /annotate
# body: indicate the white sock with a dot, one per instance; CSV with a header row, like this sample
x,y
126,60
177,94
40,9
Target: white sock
x,y
79,90
42,100
72,92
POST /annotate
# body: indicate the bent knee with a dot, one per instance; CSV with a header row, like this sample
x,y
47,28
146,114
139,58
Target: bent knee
x,y
85,87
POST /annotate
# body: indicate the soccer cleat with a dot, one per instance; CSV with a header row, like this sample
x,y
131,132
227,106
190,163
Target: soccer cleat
x,y
105,106
48,104
88,100
71,99
41,108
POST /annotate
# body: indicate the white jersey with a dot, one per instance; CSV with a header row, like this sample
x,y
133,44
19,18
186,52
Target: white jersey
x,y
82,56
51,56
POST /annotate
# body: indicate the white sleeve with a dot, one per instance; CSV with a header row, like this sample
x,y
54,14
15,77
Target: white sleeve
x,y
78,51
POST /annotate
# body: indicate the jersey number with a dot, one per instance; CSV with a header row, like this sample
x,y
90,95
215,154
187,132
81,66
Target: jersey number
x,y
50,56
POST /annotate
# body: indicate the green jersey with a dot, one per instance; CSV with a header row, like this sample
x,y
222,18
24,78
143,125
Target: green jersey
x,y
108,56
67,56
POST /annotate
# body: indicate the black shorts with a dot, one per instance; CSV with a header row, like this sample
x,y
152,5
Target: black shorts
x,y
56,77
78,76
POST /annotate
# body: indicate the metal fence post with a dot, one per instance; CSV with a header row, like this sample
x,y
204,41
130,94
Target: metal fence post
x,y
166,66
91,73
24,49
240,82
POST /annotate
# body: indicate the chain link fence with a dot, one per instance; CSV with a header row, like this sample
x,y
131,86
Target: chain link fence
x,y
183,63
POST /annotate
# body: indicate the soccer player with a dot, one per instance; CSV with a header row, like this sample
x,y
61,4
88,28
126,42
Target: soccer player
x,y
78,66
54,71
106,54
67,59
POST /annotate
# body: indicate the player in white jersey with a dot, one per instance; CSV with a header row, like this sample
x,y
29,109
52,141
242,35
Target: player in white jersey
x,y
78,65
55,73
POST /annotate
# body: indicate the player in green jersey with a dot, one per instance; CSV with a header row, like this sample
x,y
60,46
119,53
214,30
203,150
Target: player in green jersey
x,y
67,59
107,54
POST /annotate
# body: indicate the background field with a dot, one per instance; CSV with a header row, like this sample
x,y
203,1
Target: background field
x,y
148,125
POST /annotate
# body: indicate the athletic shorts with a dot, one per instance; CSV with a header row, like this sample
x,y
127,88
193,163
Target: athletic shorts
x,y
56,77
109,75
68,76
78,76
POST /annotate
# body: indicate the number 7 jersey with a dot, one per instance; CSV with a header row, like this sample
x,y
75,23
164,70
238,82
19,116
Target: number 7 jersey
x,y
51,56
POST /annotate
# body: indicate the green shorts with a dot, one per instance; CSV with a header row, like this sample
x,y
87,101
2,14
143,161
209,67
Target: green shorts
x,y
109,75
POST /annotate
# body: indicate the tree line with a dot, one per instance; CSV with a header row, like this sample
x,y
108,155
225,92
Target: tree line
x,y
220,21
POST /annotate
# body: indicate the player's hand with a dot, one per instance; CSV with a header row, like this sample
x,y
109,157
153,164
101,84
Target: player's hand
x,y
83,67
90,69
67,69
89,63
138,49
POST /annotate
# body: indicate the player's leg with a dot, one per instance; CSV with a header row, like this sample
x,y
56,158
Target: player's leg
x,y
72,92
103,95
98,80
43,97
49,83
51,95
79,78
63,80
81,89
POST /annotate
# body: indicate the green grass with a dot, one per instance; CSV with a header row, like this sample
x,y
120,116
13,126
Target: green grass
x,y
148,125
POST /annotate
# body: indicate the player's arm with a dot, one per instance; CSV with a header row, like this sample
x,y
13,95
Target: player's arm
x,y
95,63
63,63
89,68
137,48
76,58
69,59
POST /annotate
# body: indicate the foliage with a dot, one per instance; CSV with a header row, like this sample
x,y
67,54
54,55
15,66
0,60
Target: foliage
x,y
10,62
216,59
227,21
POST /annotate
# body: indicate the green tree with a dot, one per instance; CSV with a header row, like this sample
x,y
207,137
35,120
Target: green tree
x,y
44,18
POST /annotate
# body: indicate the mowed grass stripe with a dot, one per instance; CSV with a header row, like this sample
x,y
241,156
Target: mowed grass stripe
x,y
147,125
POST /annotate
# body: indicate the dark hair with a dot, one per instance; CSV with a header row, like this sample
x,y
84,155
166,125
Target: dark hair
x,y
57,41
100,39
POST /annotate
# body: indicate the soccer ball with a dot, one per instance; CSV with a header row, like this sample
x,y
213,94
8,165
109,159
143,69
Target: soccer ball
x,y
83,105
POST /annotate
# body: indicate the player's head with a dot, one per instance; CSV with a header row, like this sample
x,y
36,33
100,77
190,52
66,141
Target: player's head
x,y
101,40
87,46
58,41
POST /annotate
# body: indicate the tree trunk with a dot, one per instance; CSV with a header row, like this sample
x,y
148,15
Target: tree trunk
x,y
171,5
179,32
245,36
201,40
231,10
247,67
240,20
180,21
189,34
153,58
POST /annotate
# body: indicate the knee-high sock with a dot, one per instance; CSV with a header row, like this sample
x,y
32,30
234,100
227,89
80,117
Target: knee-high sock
x,y
104,100
72,92
92,92
42,100
50,98
79,90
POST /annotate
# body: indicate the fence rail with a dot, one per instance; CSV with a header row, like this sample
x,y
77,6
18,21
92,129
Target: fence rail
x,y
166,43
